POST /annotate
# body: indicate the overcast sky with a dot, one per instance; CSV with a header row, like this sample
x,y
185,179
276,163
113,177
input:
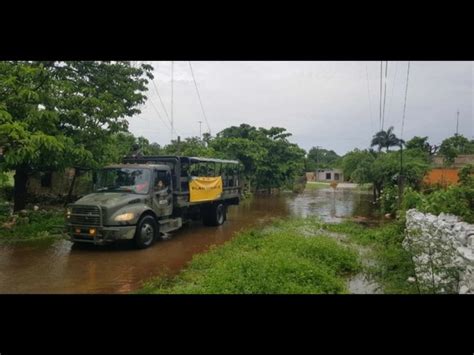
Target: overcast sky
x,y
334,105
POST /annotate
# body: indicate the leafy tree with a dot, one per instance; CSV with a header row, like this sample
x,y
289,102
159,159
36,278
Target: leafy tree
x,y
154,149
243,131
416,142
122,144
191,146
206,137
386,169
453,146
356,165
466,176
319,158
382,169
269,159
386,139
421,146
247,151
59,114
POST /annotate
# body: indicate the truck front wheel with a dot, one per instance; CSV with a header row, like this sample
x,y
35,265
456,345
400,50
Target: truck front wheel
x,y
215,215
146,232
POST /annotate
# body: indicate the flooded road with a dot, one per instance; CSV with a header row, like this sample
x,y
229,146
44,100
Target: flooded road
x,y
58,267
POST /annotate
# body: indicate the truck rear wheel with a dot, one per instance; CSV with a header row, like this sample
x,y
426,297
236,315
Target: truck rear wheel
x,y
215,215
146,232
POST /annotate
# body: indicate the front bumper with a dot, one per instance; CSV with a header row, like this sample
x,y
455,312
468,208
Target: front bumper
x,y
102,235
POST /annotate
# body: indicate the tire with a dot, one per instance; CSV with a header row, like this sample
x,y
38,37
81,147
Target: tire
x,y
146,232
215,215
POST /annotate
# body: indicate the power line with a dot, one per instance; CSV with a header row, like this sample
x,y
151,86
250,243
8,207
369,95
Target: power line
x,y
172,123
405,103
199,97
380,115
400,175
368,92
457,123
393,89
200,122
159,115
161,101
385,93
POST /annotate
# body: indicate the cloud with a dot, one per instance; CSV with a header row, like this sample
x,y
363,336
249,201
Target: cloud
x,y
320,103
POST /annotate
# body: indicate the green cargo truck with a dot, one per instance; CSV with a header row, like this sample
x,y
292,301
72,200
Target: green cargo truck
x,y
146,196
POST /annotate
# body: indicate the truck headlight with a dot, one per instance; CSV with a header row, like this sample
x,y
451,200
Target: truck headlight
x,y
124,217
68,213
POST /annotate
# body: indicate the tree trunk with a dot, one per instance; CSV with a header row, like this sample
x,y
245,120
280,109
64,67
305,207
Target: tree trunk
x,y
71,188
374,193
19,190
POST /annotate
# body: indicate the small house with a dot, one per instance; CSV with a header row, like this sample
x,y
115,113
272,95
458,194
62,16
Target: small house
x,y
329,175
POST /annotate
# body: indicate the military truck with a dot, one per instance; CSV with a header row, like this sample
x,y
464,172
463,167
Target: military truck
x,y
148,196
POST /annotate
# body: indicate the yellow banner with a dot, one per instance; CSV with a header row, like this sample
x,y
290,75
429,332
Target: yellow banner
x,y
205,188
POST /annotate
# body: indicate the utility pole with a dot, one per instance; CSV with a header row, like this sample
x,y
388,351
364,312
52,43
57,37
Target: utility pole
x,y
457,123
200,135
380,117
400,179
172,122
384,94
400,176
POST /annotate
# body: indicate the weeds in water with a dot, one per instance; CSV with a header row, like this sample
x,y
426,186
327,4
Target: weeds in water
x,y
393,265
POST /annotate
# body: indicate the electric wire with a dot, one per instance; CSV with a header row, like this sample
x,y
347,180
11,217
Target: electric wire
x,y
199,97
405,103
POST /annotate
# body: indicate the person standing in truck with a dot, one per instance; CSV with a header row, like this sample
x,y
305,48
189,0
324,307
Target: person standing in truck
x,y
159,185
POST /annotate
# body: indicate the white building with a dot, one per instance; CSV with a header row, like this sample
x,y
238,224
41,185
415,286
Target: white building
x,y
329,175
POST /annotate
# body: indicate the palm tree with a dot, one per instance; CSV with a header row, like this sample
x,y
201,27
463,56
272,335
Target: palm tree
x,y
386,139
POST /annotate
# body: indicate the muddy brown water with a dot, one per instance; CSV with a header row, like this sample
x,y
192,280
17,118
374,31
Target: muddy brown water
x,y
59,267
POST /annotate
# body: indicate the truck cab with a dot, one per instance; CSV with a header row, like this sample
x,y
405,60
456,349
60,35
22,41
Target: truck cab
x,y
139,200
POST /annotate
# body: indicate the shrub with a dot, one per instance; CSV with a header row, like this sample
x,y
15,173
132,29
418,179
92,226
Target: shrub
x,y
455,199
411,199
389,199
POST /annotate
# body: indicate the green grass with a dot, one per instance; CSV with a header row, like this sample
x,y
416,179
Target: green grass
x,y
286,257
296,255
312,185
37,225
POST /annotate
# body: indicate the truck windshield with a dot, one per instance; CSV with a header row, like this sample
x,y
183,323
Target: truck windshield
x,y
123,180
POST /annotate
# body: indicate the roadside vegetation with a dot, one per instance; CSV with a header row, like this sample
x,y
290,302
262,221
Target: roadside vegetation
x,y
27,224
31,225
289,256
297,255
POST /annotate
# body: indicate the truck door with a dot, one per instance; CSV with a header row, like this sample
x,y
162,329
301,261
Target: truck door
x,y
162,193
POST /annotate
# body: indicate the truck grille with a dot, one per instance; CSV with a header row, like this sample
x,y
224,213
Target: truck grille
x,y
85,215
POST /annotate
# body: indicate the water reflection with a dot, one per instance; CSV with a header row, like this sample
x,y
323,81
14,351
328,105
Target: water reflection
x,y
332,205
